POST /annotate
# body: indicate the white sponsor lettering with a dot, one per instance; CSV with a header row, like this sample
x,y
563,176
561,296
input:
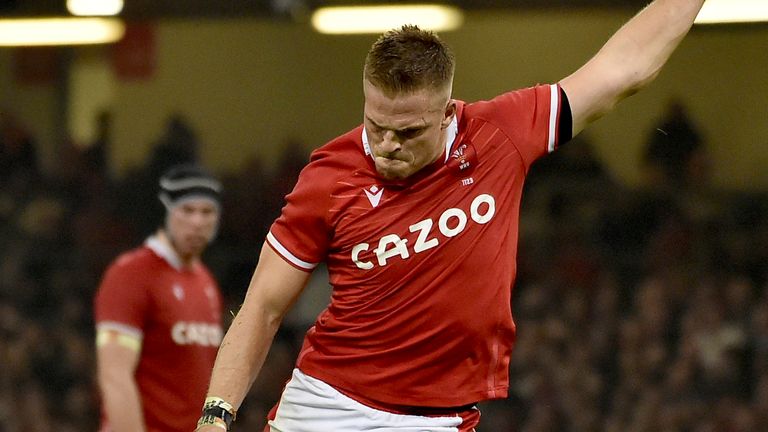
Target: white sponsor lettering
x,y
422,244
365,265
474,209
400,248
452,222
447,215
196,333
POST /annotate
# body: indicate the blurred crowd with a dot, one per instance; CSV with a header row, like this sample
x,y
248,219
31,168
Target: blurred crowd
x,y
638,308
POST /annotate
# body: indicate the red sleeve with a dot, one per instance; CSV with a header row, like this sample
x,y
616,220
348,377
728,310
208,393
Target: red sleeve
x,y
301,234
122,299
530,117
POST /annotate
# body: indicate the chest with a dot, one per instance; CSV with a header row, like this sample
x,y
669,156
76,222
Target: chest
x,y
184,297
377,226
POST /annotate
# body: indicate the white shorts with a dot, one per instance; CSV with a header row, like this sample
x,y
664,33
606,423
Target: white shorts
x,y
311,405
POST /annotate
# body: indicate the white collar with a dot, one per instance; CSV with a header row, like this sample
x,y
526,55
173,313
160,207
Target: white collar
x,y
164,251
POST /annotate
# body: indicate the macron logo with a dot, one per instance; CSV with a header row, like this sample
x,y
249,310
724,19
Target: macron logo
x,y
178,292
374,195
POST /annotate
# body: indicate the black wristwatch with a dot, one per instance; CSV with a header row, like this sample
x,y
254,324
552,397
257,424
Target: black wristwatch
x,y
216,411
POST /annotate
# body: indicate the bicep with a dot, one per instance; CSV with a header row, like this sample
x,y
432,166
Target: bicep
x,y
593,90
117,355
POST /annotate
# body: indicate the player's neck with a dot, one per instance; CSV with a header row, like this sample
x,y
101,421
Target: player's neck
x,y
186,261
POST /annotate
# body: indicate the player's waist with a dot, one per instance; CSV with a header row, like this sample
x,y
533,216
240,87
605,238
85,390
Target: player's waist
x,y
423,411
445,392
403,409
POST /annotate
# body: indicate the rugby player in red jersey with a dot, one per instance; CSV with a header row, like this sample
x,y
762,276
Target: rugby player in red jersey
x,y
415,213
158,315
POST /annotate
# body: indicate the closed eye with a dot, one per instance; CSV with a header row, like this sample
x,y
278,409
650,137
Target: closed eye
x,y
410,132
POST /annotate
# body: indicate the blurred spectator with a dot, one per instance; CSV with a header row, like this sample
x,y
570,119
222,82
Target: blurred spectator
x,y
675,155
178,145
18,154
288,167
96,154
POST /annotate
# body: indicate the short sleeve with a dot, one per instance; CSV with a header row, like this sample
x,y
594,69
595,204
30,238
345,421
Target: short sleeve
x,y
122,300
533,118
301,234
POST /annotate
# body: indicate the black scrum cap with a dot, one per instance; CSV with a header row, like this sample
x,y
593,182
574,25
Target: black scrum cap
x,y
184,182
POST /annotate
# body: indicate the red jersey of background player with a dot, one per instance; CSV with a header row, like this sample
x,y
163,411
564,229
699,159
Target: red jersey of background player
x,y
422,269
177,313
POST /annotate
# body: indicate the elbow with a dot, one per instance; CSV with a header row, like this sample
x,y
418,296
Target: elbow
x,y
265,318
634,82
113,380
644,79
273,321
270,314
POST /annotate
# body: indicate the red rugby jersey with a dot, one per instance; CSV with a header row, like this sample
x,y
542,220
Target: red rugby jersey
x,y
177,312
422,269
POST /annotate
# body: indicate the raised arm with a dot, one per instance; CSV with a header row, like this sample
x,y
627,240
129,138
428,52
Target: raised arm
x,y
630,59
274,288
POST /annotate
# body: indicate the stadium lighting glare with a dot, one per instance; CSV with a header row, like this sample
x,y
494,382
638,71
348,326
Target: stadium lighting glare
x,y
60,31
380,18
95,7
733,11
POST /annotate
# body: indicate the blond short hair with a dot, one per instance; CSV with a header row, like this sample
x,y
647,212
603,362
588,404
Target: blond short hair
x,y
409,59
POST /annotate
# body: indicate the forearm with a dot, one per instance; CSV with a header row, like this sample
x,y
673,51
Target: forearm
x,y
242,354
273,289
630,59
122,404
642,46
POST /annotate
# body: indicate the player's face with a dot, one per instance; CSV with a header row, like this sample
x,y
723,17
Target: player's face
x,y
406,132
192,225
